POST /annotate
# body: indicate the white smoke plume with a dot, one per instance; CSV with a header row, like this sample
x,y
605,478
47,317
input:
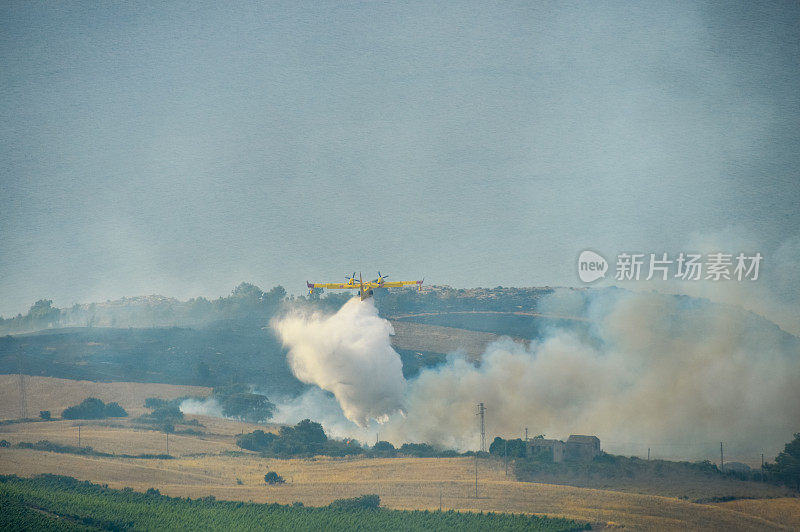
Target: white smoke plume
x,y
639,369
673,373
201,407
348,354
322,407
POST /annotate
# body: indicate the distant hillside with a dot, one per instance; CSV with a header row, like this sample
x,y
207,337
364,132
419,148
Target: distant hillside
x,y
249,305
200,357
211,343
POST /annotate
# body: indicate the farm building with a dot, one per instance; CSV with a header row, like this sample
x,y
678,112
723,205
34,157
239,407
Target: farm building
x,y
581,448
555,448
578,448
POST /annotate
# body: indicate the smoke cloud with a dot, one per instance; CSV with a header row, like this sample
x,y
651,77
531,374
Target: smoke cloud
x,y
673,373
350,355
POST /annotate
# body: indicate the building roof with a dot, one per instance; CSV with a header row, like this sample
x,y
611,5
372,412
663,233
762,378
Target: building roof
x,y
580,438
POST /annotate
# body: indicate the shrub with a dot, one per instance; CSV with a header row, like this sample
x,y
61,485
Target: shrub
x,y
45,414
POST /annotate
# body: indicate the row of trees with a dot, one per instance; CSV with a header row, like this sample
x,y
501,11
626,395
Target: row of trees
x,y
249,302
246,301
308,438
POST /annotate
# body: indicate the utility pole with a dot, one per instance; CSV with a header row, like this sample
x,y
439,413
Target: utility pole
x,y
79,435
167,443
481,412
648,454
721,458
526,435
762,467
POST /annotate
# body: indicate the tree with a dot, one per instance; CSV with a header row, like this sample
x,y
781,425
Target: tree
x,y
512,448
167,413
384,448
155,402
45,414
258,441
273,478
90,408
43,313
93,408
250,407
114,410
275,295
422,450
787,464
305,437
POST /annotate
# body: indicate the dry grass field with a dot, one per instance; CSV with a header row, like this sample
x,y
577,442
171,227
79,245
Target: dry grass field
x,y
204,466
49,393
404,483
784,511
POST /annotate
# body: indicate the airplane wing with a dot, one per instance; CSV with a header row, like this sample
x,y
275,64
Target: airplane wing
x,y
369,285
333,286
398,284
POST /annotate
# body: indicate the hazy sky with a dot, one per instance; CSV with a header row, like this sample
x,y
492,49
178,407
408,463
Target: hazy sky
x,y
181,148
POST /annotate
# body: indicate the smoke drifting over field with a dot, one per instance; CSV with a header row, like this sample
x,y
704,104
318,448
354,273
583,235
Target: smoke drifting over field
x,y
202,407
672,373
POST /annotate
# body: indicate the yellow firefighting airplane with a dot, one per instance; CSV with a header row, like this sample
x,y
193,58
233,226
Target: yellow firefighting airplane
x,y
365,289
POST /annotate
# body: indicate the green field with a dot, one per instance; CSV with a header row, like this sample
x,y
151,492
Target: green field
x,y
50,502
